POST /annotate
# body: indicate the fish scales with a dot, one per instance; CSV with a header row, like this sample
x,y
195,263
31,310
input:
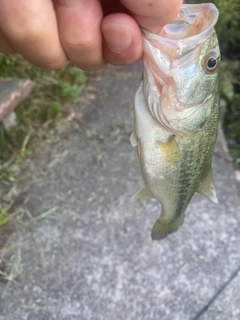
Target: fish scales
x,y
176,114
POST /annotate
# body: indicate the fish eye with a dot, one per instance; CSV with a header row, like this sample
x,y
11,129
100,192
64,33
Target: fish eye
x,y
211,61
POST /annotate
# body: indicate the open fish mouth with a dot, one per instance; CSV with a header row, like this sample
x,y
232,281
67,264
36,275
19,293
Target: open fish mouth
x,y
193,21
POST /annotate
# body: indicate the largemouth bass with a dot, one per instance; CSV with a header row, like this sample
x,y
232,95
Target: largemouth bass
x,y
176,113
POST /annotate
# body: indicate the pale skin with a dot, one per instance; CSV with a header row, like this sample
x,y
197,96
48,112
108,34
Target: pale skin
x,y
88,33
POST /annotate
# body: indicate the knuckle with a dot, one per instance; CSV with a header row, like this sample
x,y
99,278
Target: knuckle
x,y
52,60
86,43
85,53
28,33
89,64
92,67
54,65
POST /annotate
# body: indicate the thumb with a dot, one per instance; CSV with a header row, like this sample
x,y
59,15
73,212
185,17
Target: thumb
x,y
152,15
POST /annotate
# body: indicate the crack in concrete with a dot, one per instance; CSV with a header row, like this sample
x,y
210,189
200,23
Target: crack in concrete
x,y
217,294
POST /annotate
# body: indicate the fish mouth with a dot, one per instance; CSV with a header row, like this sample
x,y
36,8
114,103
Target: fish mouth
x,y
194,21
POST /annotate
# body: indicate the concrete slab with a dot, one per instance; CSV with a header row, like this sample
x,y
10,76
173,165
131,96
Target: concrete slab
x,y
95,260
227,304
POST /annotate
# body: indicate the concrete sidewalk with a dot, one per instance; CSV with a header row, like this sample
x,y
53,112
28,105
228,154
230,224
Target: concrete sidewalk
x,y
94,259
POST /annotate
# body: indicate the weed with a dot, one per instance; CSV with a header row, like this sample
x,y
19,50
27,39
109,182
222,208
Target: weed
x,y
53,92
3,216
229,91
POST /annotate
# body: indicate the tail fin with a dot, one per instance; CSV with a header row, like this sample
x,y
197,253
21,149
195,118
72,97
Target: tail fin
x,y
162,228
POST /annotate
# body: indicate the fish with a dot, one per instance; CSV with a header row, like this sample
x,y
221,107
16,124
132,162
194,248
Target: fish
x,y
176,111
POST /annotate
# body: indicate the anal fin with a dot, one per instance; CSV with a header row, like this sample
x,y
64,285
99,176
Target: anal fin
x,y
144,193
207,189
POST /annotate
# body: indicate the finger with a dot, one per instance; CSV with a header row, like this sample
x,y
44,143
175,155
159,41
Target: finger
x,y
79,23
31,29
122,39
5,46
153,14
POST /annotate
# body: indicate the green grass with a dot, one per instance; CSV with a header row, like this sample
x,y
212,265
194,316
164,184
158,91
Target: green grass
x,y
228,27
230,92
3,216
53,93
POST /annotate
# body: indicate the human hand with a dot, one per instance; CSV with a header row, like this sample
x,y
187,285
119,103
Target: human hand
x,y
88,33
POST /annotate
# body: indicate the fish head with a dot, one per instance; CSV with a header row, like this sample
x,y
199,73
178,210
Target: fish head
x,y
181,68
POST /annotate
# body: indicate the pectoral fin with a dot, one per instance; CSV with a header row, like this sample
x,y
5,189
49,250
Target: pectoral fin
x,y
133,140
170,151
207,189
144,193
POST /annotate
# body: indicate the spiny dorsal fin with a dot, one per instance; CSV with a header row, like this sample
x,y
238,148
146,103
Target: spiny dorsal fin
x,y
207,189
144,193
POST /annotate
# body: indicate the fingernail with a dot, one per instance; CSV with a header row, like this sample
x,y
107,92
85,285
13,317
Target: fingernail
x,y
117,37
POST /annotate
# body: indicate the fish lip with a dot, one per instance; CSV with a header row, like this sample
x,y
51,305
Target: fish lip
x,y
194,37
